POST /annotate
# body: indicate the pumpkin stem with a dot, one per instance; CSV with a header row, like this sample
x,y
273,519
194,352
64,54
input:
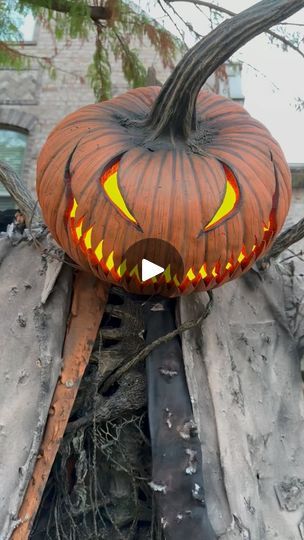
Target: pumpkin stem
x,y
173,112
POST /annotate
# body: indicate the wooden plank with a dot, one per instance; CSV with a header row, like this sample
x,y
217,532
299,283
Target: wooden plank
x,y
243,371
31,341
89,300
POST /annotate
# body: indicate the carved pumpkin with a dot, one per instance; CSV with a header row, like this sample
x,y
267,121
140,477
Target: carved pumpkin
x,y
186,167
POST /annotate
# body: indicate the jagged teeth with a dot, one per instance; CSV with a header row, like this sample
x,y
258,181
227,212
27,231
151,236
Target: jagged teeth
x,y
85,239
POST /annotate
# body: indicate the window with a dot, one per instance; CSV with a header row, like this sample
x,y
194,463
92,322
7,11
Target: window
x,y
12,150
11,20
27,26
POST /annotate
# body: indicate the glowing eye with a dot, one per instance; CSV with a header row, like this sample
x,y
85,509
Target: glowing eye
x,y
110,185
231,198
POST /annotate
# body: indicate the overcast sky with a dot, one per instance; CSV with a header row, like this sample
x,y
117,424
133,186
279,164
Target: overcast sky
x,y
271,86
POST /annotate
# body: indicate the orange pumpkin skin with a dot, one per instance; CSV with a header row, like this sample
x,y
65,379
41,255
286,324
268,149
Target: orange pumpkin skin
x,y
167,191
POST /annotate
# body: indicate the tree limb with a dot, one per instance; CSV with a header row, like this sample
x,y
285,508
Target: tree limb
x,y
64,6
19,192
226,11
292,235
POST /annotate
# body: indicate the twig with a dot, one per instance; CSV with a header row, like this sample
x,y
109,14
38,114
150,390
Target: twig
x,y
163,339
292,24
181,32
19,192
292,235
226,11
293,256
188,25
44,61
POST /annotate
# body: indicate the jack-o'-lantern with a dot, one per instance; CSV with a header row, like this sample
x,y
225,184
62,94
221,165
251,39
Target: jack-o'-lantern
x,y
189,168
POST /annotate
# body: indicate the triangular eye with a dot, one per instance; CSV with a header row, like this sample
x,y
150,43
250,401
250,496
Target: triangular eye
x,y
109,182
230,200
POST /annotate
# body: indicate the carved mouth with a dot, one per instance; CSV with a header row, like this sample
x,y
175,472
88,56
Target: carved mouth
x,y
203,280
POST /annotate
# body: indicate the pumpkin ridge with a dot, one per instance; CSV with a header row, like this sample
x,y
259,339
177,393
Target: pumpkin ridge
x,y
171,198
162,162
198,187
97,174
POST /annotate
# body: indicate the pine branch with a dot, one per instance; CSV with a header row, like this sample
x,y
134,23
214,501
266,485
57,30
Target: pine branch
x,y
220,9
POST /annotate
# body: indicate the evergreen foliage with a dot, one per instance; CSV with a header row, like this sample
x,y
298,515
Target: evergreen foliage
x,y
114,34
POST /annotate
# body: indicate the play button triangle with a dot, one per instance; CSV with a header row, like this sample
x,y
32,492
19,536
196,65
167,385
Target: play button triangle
x,y
150,269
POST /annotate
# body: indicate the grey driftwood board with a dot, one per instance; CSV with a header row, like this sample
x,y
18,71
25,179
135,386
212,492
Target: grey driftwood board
x,y
31,339
243,371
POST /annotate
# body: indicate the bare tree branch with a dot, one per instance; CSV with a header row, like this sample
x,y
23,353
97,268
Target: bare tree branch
x,y
20,193
64,6
292,235
226,11
291,24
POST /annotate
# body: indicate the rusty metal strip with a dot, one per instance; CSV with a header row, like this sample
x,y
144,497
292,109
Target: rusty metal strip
x,y
89,300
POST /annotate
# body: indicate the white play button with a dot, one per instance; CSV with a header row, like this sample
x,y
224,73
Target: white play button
x,y
150,269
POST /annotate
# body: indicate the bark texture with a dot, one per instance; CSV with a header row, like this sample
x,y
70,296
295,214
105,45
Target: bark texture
x,y
31,339
244,376
20,193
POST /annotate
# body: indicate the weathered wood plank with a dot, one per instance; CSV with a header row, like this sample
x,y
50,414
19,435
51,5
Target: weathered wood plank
x,y
89,299
31,339
243,371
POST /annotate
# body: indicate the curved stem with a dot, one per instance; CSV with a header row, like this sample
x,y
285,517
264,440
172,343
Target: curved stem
x,y
174,110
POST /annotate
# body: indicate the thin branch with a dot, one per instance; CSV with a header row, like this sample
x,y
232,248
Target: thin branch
x,y
187,24
181,32
226,11
294,256
292,235
44,61
291,24
19,192
163,339
209,5
64,6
